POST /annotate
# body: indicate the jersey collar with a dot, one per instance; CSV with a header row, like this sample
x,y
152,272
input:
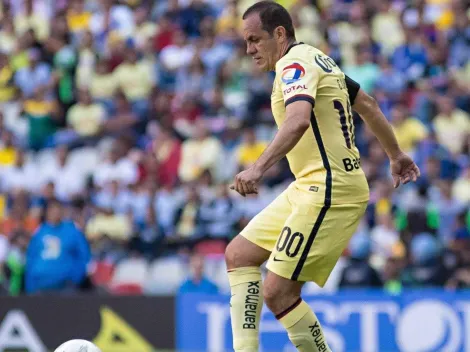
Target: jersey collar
x,y
291,46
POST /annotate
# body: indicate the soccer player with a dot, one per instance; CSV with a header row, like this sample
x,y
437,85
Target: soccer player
x,y
303,232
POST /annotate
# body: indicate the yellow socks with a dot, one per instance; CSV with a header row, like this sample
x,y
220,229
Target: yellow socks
x,y
303,328
245,307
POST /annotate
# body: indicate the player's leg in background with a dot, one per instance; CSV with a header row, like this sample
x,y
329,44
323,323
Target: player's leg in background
x,y
282,296
244,259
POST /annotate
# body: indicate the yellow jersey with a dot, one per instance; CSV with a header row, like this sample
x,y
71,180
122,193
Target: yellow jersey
x,y
325,161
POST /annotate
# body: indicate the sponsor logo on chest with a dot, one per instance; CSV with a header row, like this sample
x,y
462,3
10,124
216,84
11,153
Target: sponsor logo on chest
x,y
294,88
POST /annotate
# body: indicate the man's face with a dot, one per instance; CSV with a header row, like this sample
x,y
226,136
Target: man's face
x,y
54,213
260,45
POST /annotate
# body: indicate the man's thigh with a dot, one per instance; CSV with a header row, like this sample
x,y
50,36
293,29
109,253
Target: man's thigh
x,y
264,229
312,240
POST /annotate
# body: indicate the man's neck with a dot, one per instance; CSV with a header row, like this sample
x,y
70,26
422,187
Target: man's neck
x,y
287,46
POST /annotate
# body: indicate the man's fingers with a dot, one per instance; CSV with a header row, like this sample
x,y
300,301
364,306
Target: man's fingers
x,y
245,188
396,181
417,171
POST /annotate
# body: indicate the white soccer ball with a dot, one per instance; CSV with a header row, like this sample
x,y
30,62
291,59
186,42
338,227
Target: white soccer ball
x,y
77,346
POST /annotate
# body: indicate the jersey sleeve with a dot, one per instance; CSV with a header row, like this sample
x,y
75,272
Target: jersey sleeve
x,y
353,88
297,81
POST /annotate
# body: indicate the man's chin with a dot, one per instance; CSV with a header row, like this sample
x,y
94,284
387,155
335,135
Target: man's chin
x,y
262,66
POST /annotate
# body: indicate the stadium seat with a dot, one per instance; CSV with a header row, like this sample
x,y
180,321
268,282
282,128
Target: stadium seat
x,y
165,276
131,271
211,247
102,273
127,289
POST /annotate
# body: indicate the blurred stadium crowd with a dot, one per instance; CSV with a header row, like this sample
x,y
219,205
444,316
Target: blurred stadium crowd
x,y
123,122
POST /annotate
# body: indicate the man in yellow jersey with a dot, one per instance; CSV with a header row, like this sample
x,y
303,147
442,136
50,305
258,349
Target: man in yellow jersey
x,y
303,232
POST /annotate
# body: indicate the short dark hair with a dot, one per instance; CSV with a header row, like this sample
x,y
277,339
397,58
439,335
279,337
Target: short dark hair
x,y
272,15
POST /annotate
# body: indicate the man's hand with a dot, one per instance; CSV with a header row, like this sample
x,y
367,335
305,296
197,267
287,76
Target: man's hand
x,y
403,170
246,182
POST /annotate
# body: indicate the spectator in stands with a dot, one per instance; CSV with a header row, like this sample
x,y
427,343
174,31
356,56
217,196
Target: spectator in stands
x,y
34,77
426,269
199,153
411,58
461,187
145,29
8,41
194,78
392,272
22,175
150,235
364,71
85,118
117,166
78,18
384,22
197,282
68,181
187,222
219,215
7,74
174,57
86,61
134,79
460,244
111,17
359,273
14,264
250,149
43,116
166,149
452,125
123,118
57,255
7,149
4,247
390,81
19,219
383,237
103,85
448,209
29,18
108,233
409,131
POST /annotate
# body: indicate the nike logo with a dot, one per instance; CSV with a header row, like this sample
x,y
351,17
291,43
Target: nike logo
x,y
278,260
298,346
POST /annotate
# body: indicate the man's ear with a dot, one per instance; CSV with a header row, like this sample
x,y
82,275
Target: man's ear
x,y
280,33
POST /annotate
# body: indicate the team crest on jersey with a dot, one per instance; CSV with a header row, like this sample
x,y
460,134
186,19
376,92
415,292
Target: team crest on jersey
x,y
292,73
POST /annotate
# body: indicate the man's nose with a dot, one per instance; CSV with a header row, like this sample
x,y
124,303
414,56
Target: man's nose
x,y
250,49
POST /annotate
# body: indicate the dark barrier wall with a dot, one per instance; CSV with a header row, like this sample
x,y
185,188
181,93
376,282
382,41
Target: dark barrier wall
x,y
115,324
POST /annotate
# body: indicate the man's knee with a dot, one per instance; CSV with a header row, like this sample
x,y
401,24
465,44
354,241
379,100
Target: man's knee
x,y
278,294
242,253
271,295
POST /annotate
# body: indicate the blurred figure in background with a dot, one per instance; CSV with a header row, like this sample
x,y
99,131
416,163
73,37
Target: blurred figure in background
x,y
57,255
426,269
359,273
197,282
